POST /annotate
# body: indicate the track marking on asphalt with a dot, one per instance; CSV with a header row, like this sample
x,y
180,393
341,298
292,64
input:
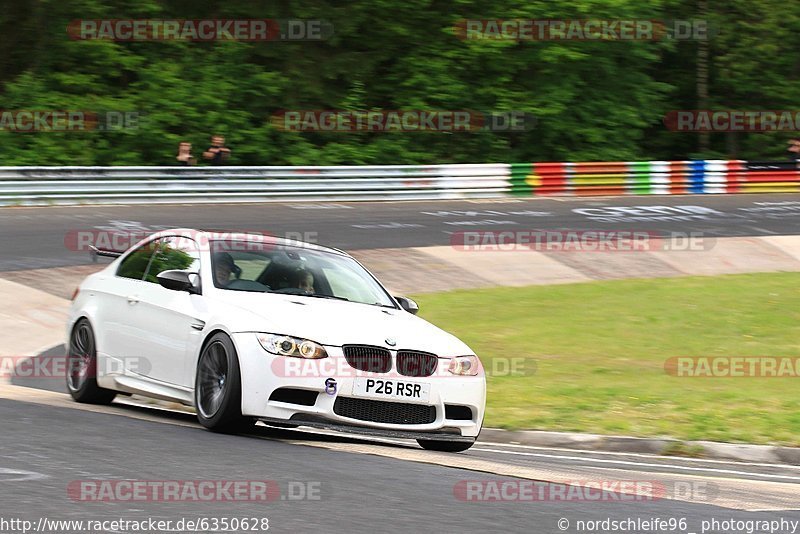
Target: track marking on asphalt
x,y
639,455
640,464
740,494
19,475
666,465
735,494
763,231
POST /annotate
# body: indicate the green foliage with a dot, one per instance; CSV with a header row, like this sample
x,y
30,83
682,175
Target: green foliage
x,y
594,100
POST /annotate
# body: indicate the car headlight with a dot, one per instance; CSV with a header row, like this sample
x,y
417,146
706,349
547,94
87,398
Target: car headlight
x,y
294,347
465,365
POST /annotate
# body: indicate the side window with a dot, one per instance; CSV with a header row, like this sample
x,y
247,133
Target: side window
x,y
173,252
136,263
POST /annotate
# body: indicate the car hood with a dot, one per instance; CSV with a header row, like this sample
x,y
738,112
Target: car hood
x,y
336,322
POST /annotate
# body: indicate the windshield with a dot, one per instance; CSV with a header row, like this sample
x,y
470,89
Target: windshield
x,y
270,268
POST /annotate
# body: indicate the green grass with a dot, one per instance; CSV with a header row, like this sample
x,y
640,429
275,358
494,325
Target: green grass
x,y
599,350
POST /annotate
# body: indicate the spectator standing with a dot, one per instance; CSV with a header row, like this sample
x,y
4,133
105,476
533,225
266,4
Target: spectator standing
x,y
217,153
794,149
185,154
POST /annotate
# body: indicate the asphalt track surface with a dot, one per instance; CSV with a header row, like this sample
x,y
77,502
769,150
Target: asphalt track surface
x,y
354,492
343,483
47,442
33,238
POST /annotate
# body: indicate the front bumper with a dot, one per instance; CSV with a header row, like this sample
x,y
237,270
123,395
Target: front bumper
x,y
264,373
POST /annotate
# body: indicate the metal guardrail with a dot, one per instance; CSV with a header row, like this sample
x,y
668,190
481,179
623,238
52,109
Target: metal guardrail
x,y
130,185
115,185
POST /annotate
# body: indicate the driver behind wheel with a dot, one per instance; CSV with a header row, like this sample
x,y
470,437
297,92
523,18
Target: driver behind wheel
x,y
223,267
303,279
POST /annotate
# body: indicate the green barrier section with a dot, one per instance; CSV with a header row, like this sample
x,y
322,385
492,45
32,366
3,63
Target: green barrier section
x,y
519,173
638,181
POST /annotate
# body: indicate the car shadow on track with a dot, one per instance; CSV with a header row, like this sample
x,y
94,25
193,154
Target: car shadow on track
x,y
46,371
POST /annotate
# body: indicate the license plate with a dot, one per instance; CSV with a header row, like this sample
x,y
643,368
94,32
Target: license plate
x,y
378,388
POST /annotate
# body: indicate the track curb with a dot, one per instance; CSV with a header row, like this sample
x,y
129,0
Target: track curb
x,y
742,452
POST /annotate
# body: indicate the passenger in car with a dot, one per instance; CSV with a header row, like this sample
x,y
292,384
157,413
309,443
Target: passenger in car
x,y
303,279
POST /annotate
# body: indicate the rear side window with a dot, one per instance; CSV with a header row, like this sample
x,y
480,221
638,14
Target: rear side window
x,y
137,262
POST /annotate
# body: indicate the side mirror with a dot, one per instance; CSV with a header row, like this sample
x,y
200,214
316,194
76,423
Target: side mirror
x,y
180,281
407,304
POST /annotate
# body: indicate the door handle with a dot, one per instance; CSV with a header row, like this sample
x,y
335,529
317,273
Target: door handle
x,y
133,299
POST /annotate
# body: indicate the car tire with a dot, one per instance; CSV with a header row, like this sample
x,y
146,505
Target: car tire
x,y
218,387
81,375
445,446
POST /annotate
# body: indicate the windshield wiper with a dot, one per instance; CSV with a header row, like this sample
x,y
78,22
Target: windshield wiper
x,y
334,297
315,295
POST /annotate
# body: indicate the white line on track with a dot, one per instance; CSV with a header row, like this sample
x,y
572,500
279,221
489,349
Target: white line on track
x,y
641,464
664,466
639,455
480,447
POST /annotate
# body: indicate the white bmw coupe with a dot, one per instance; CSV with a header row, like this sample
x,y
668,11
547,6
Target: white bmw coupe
x,y
246,327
